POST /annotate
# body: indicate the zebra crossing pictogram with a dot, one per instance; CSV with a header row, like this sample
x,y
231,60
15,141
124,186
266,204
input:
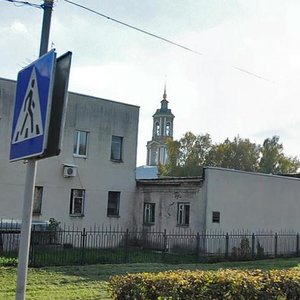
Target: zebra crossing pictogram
x,y
29,124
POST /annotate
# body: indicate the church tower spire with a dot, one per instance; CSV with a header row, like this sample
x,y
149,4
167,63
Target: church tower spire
x,y
162,130
165,93
164,102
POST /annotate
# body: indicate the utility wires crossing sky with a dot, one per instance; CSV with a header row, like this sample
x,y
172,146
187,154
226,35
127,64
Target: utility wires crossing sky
x,y
137,29
157,36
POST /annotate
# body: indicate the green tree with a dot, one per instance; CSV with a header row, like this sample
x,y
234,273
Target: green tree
x,y
171,168
273,160
239,154
191,153
187,156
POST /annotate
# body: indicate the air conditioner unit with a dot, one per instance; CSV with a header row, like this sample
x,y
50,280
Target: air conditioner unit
x,y
70,171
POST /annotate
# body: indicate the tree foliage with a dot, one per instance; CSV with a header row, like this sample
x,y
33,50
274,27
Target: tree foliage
x,y
191,153
273,159
188,155
239,154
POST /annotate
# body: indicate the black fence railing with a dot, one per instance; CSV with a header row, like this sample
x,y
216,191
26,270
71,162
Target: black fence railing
x,y
70,246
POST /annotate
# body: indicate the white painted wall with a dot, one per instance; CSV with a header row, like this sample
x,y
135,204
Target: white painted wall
x,y
97,174
251,201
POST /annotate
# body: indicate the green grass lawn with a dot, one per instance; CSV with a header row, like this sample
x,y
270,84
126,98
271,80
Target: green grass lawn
x,y
91,282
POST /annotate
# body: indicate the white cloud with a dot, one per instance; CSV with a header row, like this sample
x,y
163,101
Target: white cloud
x,y
18,27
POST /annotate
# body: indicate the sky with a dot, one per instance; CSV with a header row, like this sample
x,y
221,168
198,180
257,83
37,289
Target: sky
x,y
244,79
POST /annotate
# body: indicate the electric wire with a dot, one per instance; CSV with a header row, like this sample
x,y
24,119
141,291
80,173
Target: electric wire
x,y
158,37
21,3
132,27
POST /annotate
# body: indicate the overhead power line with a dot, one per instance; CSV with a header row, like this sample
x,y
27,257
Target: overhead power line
x,y
250,73
22,3
158,37
133,27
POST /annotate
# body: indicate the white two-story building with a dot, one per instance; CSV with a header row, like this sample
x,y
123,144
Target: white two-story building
x,y
92,181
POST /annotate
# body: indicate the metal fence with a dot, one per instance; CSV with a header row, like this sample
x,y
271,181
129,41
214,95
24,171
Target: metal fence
x,y
70,246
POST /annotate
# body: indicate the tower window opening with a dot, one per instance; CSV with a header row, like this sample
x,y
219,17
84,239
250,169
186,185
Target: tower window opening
x,y
157,129
168,132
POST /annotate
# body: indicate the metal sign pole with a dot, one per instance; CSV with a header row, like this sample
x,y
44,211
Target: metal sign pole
x,y
26,230
30,181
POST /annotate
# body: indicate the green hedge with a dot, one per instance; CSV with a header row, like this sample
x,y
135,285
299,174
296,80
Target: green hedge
x,y
8,261
222,284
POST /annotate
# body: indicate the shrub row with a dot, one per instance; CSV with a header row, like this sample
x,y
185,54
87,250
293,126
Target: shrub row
x,y
8,262
222,284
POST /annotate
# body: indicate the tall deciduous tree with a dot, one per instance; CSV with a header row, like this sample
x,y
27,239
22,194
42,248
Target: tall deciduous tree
x,y
273,159
191,153
240,154
188,155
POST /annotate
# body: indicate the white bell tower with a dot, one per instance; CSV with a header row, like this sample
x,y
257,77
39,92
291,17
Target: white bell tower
x,y
162,131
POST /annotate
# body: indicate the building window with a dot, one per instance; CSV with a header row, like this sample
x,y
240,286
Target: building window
x,y
168,133
113,204
116,148
149,213
77,202
80,143
37,200
157,129
183,214
216,217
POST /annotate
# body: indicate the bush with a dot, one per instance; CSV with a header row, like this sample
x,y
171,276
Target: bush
x,y
8,261
222,284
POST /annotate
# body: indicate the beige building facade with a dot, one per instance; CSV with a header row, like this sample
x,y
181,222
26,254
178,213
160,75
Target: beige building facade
x,y
222,200
92,181
251,201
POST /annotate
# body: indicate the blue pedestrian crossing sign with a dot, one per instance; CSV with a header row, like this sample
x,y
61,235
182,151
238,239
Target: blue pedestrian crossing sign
x,y
32,108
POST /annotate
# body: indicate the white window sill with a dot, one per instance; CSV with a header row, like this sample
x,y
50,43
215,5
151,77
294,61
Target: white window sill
x,y
77,215
79,156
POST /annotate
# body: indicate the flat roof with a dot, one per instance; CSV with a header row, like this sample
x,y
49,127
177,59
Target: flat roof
x,y
82,95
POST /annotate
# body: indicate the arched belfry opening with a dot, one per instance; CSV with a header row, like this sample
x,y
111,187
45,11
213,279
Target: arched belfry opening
x,y
161,131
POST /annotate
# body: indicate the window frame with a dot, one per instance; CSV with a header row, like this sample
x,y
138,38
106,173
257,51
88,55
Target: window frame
x,y
120,143
73,198
76,143
216,217
37,208
110,198
183,214
149,218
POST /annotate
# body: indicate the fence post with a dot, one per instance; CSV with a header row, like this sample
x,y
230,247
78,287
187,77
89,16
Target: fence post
x,y
297,244
253,246
276,244
165,244
83,237
32,252
227,245
126,246
198,245
165,241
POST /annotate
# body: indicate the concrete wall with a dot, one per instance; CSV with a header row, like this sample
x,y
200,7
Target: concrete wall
x,y
96,173
166,194
251,201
